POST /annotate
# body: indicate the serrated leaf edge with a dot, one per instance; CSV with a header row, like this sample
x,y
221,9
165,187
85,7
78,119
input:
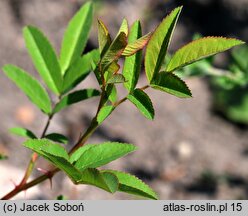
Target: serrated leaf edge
x,y
198,59
176,77
133,176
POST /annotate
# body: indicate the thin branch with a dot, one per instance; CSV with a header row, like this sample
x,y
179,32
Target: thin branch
x,y
47,125
144,87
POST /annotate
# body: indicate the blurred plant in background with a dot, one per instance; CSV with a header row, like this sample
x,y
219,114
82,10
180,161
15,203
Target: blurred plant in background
x,y
229,86
230,90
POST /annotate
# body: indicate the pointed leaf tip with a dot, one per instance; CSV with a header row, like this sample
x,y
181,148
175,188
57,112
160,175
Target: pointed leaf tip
x,y
114,51
56,137
142,101
199,49
124,27
136,45
76,36
104,39
172,84
23,132
44,58
98,155
158,44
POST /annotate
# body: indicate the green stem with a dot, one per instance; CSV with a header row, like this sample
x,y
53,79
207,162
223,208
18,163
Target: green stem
x,y
46,127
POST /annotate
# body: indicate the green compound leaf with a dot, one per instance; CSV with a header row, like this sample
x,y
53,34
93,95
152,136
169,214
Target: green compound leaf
x,y
56,137
114,51
30,86
172,84
101,154
199,49
132,185
80,69
44,58
132,65
142,101
75,97
104,113
104,39
107,182
116,78
56,154
157,47
76,36
124,27
23,132
136,45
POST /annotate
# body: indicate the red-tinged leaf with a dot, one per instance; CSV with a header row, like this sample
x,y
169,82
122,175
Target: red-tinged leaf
x,y
158,44
142,101
114,52
136,45
104,39
132,64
